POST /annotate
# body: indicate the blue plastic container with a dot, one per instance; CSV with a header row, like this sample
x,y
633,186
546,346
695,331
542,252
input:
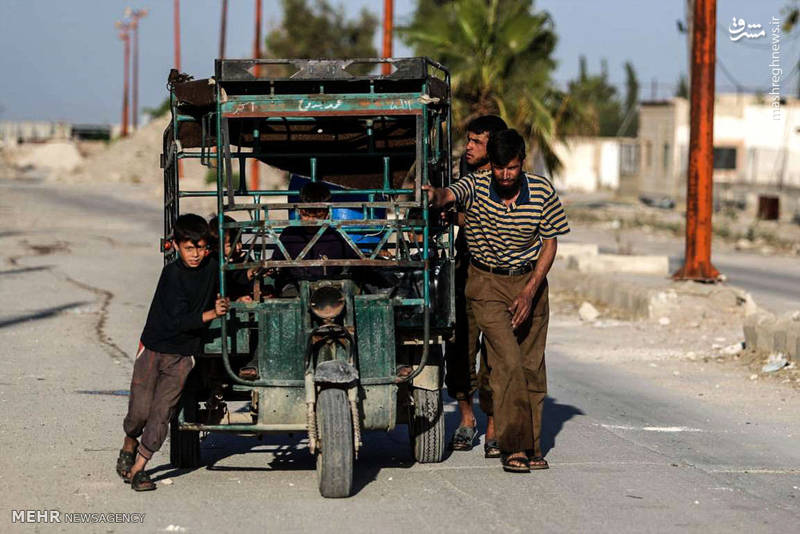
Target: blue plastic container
x,y
296,182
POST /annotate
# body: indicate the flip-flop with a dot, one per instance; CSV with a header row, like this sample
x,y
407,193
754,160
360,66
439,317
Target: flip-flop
x,y
464,438
519,465
125,461
537,462
141,482
491,450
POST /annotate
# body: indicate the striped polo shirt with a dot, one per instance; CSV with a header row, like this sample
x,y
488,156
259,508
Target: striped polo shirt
x,y
508,236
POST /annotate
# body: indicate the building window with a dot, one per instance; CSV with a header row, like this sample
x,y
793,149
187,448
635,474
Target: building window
x,y
665,161
725,158
647,154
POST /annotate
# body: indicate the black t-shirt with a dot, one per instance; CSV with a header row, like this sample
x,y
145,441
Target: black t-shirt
x,y
330,245
175,320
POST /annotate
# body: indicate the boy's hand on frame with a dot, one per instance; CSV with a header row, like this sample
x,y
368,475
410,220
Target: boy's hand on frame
x,y
221,305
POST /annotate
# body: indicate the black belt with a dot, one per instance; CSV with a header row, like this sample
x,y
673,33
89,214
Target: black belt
x,y
513,271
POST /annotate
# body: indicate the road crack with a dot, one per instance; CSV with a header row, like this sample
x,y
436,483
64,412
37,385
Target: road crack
x,y
102,337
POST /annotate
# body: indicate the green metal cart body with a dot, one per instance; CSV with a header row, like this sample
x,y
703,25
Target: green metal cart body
x,y
343,356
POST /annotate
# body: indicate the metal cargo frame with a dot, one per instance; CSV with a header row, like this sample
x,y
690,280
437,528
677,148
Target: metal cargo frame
x,y
308,119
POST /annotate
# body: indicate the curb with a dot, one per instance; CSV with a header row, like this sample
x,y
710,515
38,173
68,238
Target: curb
x,y
765,332
651,297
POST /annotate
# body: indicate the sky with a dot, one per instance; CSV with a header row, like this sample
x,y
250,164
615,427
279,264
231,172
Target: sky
x,y
62,60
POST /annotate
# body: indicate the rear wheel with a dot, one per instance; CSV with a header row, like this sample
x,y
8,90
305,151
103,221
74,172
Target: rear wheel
x,y
335,454
184,445
426,426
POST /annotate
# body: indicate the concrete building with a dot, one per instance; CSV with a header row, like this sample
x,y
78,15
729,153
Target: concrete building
x,y
595,163
756,152
14,132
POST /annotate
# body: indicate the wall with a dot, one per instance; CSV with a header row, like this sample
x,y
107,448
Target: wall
x,y
589,163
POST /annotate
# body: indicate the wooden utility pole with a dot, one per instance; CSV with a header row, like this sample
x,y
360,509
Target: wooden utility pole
x,y
388,17
125,34
254,178
699,191
176,32
223,28
135,16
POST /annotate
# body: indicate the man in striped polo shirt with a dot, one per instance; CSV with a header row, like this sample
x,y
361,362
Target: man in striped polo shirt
x,y
461,354
512,220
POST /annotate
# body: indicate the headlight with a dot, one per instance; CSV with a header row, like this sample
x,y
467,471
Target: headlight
x,y
327,303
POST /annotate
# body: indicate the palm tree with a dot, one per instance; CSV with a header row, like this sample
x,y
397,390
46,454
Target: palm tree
x,y
499,53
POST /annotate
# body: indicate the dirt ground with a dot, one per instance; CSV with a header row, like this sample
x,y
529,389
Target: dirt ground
x,y
678,352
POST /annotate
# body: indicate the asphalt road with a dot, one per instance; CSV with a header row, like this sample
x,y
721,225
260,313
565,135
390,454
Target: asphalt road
x,y
633,446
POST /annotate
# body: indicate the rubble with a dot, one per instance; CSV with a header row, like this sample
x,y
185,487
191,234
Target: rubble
x,y
732,350
587,312
775,362
43,159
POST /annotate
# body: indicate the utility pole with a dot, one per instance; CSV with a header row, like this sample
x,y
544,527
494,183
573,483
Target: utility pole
x,y
254,178
125,35
699,190
134,16
388,17
176,27
222,28
176,31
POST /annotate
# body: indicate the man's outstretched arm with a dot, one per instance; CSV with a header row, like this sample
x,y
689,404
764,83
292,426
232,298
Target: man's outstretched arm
x,y
439,197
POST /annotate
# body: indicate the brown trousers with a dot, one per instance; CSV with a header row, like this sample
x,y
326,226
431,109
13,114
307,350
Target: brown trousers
x,y
517,373
461,355
156,387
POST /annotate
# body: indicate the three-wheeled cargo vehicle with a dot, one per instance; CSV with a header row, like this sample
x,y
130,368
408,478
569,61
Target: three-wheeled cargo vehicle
x,y
356,351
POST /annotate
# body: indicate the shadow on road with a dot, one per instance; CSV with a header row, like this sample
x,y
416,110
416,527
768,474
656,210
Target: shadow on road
x,y
381,450
22,270
42,314
554,416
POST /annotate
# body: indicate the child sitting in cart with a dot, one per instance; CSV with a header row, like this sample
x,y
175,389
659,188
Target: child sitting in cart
x,y
181,309
239,284
330,246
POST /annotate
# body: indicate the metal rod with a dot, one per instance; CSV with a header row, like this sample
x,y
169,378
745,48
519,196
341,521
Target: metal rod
x,y
699,183
386,172
273,193
255,427
389,264
409,224
254,167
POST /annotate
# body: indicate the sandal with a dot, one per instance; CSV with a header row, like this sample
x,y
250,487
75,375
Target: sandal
x,y
141,482
491,450
125,461
515,464
464,438
538,462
